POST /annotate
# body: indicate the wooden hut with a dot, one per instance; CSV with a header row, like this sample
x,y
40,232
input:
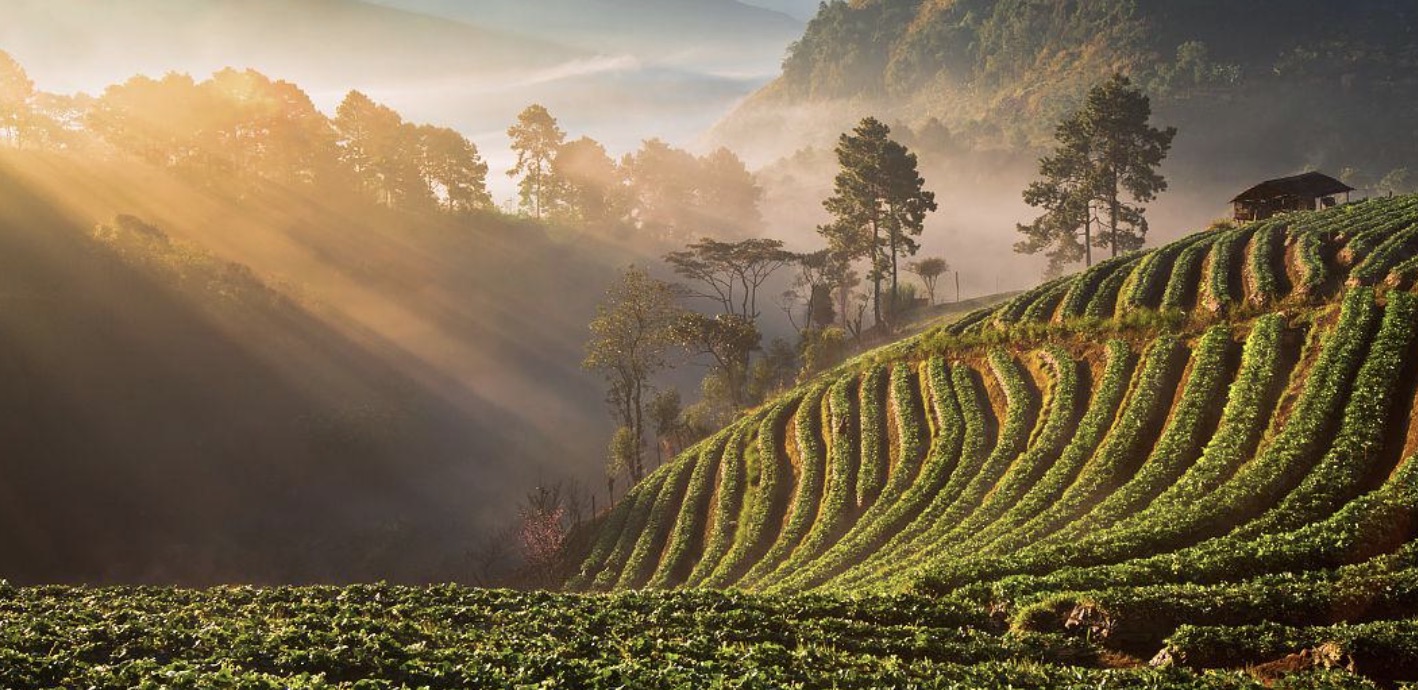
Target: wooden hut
x,y
1304,192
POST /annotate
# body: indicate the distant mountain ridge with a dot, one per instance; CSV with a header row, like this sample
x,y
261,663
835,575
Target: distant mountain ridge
x,y
716,34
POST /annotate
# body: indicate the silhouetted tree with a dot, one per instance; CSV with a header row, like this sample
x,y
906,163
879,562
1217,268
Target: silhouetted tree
x,y
620,457
383,151
452,165
270,129
666,415
728,339
662,181
727,196
879,204
1106,151
536,138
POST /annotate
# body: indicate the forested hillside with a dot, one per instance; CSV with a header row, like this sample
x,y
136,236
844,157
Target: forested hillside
x,y
1216,433
1001,72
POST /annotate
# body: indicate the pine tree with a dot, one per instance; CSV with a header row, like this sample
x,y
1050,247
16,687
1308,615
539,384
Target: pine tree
x,y
879,205
1106,152
536,138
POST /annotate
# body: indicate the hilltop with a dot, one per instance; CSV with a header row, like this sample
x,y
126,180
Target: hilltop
x,y
1215,433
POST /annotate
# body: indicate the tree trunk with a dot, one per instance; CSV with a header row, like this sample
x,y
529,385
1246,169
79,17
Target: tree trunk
x,y
637,465
1113,218
842,295
895,308
1088,239
875,254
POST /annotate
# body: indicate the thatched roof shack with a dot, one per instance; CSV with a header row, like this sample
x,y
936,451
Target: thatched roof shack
x,y
1295,193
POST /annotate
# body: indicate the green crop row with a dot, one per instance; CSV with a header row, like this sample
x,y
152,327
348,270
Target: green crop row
x,y
1134,431
1401,247
1350,461
1264,262
645,557
806,490
1405,274
1392,215
1186,274
642,501
1013,311
946,391
866,433
837,507
1021,415
835,555
1367,527
1065,402
1085,285
728,504
1102,410
689,526
1193,419
973,449
761,499
1139,619
1236,435
1384,649
1193,513
1155,271
1225,263
1043,308
1104,302
1314,269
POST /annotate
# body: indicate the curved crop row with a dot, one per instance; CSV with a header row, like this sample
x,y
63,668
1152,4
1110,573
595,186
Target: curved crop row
x,y
1112,388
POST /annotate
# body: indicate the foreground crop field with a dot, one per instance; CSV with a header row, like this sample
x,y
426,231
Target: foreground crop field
x,y
449,637
1174,450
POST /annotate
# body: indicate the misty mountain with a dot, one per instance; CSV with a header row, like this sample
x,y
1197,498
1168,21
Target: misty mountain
x,y
1002,72
704,35
798,9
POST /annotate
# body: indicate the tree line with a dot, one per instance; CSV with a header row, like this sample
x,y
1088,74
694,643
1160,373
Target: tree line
x,y
240,128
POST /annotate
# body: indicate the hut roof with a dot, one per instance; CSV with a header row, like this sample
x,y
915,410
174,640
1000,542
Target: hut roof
x,y
1310,184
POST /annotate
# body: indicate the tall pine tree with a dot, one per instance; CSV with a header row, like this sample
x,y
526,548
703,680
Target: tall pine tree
x,y
879,205
1107,152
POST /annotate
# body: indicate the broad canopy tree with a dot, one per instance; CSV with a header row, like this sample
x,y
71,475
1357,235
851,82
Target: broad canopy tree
x,y
879,205
929,271
731,273
1107,152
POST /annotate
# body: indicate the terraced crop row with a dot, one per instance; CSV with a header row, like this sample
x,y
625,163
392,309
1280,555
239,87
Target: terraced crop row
x,y
1365,243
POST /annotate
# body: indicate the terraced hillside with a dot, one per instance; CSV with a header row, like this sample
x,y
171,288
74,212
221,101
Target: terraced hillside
x,y
1207,449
